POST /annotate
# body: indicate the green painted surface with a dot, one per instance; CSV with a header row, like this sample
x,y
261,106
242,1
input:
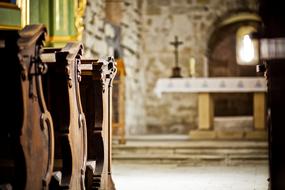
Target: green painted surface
x,y
57,15
71,17
10,17
62,22
45,13
34,12
40,12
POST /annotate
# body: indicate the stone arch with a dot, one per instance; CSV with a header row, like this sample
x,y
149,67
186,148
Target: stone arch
x,y
221,54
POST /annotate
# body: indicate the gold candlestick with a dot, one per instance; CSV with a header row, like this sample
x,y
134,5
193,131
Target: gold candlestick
x,y
192,63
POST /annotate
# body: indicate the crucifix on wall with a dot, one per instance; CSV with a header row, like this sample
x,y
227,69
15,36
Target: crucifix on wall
x,y
176,70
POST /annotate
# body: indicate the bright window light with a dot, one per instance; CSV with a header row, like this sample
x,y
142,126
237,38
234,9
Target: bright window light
x,y
247,49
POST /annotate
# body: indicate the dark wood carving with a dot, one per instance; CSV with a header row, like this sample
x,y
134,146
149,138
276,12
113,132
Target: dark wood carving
x,y
63,99
96,93
26,138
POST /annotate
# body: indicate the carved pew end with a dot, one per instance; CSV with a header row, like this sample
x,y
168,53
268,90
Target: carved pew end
x,y
92,181
55,180
55,183
96,181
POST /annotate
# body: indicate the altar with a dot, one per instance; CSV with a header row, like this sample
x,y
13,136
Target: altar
x,y
205,87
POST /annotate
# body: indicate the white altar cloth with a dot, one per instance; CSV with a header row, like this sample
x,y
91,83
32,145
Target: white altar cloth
x,y
211,85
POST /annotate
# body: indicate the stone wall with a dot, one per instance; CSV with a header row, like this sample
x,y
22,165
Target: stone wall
x,y
131,46
193,22
104,26
94,30
146,28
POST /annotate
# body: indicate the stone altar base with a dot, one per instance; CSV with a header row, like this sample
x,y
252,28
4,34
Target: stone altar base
x,y
227,135
230,128
253,129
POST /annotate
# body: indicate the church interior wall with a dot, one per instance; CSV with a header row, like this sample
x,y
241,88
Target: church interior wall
x,y
192,21
146,29
100,16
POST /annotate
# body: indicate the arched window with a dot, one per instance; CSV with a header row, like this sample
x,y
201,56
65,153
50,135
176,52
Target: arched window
x,y
246,48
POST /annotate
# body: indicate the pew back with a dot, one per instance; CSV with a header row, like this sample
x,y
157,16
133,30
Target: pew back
x,y
95,89
64,102
26,143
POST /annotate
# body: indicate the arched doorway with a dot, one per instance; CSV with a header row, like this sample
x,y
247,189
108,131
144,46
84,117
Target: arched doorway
x,y
223,63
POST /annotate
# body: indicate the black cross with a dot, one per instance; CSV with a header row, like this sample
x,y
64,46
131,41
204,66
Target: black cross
x,y
176,43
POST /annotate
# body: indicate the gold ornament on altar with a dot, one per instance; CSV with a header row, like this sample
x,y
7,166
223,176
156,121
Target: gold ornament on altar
x,y
192,64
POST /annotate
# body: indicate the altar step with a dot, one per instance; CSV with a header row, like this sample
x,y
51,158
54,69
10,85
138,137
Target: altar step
x,y
191,152
233,123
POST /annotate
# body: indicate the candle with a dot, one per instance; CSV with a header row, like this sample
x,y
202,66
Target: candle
x,y
192,63
205,66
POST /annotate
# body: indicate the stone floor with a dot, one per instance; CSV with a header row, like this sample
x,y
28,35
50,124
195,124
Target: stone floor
x,y
173,177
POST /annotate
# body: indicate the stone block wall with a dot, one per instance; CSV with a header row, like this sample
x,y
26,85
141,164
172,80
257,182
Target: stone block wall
x,y
94,30
193,22
131,45
104,25
146,29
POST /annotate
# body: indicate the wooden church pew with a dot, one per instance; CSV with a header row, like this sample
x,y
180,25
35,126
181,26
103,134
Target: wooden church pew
x,y
96,93
26,137
61,85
